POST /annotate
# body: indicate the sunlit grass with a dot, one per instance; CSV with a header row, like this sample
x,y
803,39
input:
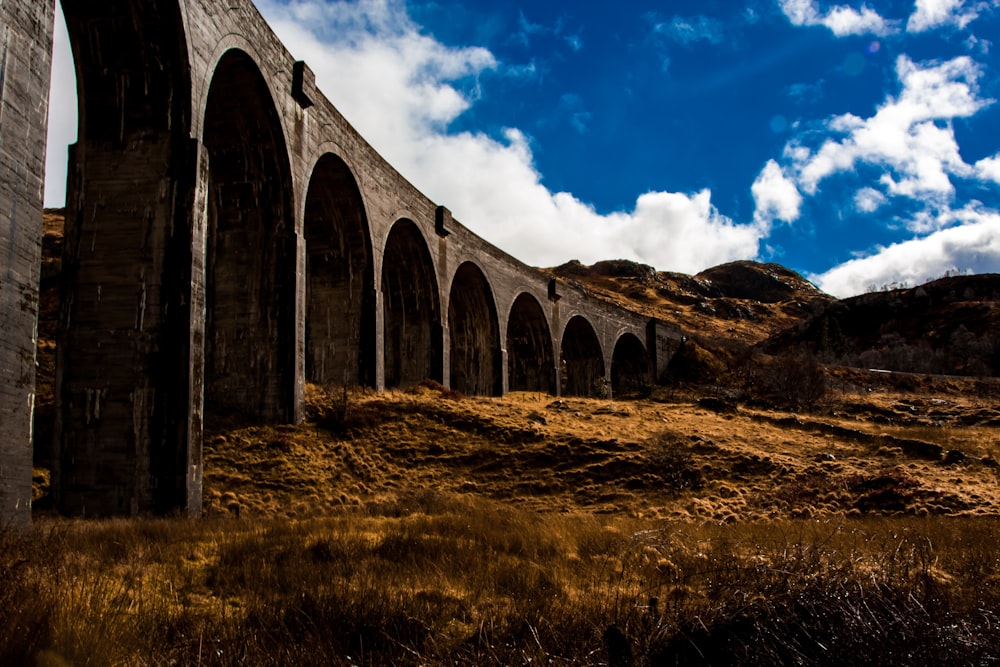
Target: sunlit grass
x,y
439,579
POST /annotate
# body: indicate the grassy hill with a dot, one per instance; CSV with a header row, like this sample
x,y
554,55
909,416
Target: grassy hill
x,y
675,456
741,302
718,520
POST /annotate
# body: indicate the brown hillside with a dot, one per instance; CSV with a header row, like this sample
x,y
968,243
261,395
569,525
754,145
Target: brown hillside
x,y
948,326
675,457
743,301
869,447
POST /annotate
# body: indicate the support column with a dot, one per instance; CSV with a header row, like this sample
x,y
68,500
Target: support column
x,y
131,330
504,372
297,410
379,339
25,66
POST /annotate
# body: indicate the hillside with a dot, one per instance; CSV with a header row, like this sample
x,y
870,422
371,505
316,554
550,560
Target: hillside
x,y
740,301
673,457
424,527
682,453
948,326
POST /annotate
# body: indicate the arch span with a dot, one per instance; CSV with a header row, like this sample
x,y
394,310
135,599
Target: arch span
x,y
582,360
630,370
124,384
411,309
250,260
475,355
340,291
530,358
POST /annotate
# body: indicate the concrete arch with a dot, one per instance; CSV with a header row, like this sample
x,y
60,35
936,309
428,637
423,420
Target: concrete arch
x,y
132,69
126,313
630,367
218,50
581,360
474,333
250,267
530,357
411,310
340,288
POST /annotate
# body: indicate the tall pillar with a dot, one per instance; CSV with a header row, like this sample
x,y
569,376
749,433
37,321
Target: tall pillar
x,y
25,67
129,355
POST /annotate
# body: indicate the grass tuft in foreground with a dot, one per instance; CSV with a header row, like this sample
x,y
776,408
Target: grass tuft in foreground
x,y
442,579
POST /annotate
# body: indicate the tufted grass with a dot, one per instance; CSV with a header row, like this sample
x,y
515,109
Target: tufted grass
x,y
439,579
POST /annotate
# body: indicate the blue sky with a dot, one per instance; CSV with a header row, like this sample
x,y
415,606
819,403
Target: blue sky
x,y
858,144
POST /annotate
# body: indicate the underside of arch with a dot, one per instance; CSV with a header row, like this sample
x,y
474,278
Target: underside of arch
x,y
582,359
340,292
530,360
630,369
250,261
475,334
411,309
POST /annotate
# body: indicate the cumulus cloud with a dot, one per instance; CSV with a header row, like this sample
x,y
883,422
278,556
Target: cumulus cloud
x,y
970,247
869,200
401,89
910,136
775,195
930,14
907,150
988,168
840,20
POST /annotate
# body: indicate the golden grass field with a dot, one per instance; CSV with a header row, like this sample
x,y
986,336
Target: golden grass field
x,y
424,528
421,527
666,459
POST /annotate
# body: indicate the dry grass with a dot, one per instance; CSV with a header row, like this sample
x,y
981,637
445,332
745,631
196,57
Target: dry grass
x,y
424,528
442,579
676,459
420,527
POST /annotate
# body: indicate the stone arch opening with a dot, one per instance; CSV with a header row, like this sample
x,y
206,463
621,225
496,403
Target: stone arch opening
x,y
132,71
629,366
530,360
340,290
411,309
125,373
582,360
250,263
475,355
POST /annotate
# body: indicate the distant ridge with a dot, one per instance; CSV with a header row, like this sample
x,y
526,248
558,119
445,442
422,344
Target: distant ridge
x,y
950,326
745,301
947,326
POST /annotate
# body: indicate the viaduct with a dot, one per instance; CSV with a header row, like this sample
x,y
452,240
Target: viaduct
x,y
230,237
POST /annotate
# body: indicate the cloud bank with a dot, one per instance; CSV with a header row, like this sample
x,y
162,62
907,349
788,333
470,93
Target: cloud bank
x,y
911,141
401,89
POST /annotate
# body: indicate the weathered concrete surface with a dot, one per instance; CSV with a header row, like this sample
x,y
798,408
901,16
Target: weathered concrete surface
x,y
125,356
230,235
25,61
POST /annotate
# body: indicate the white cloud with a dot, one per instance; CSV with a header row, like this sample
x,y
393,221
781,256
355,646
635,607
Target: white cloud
x,y
929,14
971,247
840,20
869,200
988,168
775,195
910,137
62,115
693,29
401,90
